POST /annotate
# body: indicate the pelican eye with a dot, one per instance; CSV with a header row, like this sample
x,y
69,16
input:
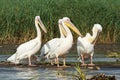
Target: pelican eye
x,y
67,19
38,18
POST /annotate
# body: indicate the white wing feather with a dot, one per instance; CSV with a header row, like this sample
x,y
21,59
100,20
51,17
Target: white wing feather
x,y
50,46
23,48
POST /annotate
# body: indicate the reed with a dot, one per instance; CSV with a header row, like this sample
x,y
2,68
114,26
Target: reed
x,y
17,18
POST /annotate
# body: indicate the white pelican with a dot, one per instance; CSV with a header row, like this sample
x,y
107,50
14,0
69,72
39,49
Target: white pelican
x,y
27,49
85,45
65,44
51,44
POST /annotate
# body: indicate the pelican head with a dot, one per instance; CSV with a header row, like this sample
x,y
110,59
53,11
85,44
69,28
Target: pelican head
x,y
69,24
60,21
38,21
97,28
61,27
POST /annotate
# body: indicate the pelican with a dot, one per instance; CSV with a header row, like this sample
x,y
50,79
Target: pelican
x,y
65,44
27,49
85,45
51,43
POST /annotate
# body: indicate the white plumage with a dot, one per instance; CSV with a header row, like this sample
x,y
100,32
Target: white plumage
x,y
85,45
53,43
27,49
62,47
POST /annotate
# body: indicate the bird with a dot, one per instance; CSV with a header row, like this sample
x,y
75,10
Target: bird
x,y
65,44
85,45
28,49
51,43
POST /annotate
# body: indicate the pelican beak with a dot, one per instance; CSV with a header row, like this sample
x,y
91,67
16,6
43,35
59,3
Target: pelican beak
x,y
98,33
71,26
62,29
42,26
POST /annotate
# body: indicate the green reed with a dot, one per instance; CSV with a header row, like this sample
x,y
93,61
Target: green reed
x,y
17,18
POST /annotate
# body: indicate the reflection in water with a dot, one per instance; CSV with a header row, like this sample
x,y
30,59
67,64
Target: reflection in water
x,y
16,73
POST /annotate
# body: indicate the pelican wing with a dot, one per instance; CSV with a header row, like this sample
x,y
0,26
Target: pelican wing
x,y
23,48
62,48
26,47
50,46
83,46
80,42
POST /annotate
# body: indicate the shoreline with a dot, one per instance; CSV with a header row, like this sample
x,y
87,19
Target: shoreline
x,y
70,64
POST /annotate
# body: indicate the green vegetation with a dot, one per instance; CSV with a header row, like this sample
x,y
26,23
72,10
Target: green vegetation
x,y
77,75
80,74
17,18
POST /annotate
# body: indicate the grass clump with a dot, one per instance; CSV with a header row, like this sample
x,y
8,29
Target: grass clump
x,y
80,74
77,75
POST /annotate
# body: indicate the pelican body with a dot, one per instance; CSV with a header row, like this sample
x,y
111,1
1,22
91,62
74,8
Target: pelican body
x,y
51,44
27,49
64,45
85,45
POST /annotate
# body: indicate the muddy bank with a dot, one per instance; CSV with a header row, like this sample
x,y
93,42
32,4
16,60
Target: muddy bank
x,y
69,64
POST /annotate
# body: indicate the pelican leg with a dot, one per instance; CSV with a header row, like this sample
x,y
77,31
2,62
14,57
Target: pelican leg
x,y
64,58
91,61
64,61
29,58
51,61
83,63
54,61
29,61
57,62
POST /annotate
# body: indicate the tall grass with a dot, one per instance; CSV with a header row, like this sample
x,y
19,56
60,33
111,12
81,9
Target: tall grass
x,y
17,18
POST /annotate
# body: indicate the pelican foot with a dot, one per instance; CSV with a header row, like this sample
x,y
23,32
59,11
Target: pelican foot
x,y
52,64
83,64
65,66
55,63
91,64
32,65
58,66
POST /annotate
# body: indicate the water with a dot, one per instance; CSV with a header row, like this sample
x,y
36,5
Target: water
x,y
46,73
16,73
